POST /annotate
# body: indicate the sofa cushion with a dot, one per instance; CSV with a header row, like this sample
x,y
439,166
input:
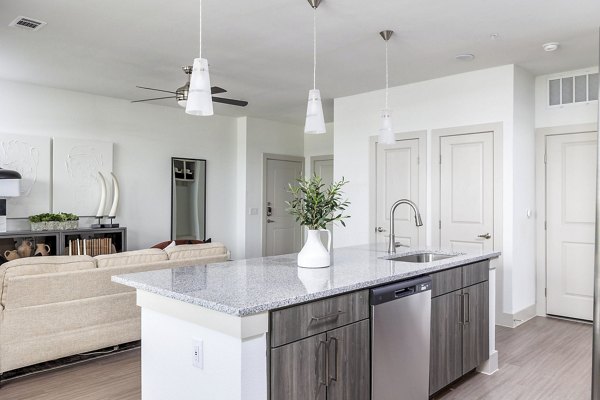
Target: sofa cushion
x,y
195,251
179,242
131,258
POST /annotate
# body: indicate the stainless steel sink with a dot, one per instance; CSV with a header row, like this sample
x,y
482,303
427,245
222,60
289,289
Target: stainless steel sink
x,y
421,257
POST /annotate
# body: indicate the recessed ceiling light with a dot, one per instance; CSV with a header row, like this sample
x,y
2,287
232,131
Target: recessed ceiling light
x,y
552,46
465,57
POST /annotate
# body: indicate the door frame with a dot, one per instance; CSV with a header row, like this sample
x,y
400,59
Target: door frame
x,y
313,159
263,224
423,169
541,135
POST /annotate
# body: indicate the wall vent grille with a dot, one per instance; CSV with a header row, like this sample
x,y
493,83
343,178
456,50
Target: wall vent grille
x,y
27,23
572,89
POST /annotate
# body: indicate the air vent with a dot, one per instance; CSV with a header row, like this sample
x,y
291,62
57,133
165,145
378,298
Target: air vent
x,y
572,89
27,23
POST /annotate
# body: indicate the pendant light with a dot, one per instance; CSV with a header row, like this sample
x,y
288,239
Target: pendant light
x,y
315,122
386,132
199,101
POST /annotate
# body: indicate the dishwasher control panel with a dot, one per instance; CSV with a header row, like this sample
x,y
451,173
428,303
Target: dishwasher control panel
x,y
399,290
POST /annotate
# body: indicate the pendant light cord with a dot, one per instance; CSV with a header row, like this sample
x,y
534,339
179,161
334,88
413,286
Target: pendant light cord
x,y
315,48
200,35
387,75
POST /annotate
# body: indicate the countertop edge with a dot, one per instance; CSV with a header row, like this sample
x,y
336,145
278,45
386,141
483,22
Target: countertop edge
x,y
274,305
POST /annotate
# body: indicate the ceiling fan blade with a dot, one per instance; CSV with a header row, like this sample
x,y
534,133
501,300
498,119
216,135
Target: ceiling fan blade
x,y
158,90
217,90
239,103
157,98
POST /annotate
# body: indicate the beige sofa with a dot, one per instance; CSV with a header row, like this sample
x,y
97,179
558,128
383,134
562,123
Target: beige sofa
x,y
53,307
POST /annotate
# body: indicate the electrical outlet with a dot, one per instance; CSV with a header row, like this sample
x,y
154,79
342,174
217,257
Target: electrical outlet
x,y
198,353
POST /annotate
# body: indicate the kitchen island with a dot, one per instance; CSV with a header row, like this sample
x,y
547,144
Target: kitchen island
x,y
208,331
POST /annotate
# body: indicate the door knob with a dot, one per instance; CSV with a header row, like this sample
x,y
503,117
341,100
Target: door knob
x,y
270,221
380,229
485,236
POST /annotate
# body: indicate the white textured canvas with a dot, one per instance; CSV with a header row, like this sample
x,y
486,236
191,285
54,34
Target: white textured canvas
x,y
31,157
76,163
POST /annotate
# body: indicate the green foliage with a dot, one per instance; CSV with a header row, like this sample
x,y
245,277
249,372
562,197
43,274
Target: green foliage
x,y
315,205
60,217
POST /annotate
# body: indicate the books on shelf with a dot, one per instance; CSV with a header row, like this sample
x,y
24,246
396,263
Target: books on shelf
x,y
90,247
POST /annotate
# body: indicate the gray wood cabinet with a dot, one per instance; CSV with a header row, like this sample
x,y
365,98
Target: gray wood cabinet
x,y
459,324
334,363
298,370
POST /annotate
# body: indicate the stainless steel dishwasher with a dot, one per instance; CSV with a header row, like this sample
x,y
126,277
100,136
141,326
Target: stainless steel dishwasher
x,y
400,332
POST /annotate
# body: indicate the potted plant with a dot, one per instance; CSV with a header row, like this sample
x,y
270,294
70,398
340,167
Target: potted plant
x,y
314,205
52,222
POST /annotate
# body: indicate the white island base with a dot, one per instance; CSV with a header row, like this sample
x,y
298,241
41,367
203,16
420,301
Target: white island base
x,y
232,359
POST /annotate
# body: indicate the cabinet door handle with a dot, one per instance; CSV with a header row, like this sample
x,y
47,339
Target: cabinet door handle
x,y
333,378
461,309
468,308
323,364
329,316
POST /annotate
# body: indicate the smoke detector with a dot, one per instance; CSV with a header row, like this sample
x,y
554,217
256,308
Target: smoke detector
x,y
27,23
465,57
552,46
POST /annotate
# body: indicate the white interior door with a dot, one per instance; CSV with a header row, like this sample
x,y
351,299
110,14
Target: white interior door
x,y
398,178
323,167
467,192
570,218
283,233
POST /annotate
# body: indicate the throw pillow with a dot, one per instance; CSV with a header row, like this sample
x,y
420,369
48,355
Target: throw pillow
x,y
163,245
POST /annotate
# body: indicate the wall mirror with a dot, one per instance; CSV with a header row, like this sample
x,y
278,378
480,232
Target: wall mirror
x,y
188,199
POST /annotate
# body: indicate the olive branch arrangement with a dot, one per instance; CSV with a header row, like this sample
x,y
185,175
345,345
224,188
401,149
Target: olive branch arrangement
x,y
314,205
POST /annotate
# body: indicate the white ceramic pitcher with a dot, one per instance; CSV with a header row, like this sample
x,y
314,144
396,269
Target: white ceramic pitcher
x,y
314,254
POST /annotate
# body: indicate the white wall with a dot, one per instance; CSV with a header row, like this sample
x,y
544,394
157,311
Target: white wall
x,y
263,136
318,145
522,273
145,137
572,114
479,97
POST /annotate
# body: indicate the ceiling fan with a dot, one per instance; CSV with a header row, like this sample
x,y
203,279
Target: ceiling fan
x,y
181,94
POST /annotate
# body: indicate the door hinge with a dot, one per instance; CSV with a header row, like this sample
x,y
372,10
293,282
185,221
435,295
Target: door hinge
x,y
545,158
440,224
545,292
418,160
440,158
545,225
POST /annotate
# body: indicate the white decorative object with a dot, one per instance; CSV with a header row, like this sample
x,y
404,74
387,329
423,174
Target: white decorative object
x,y
116,193
75,174
31,157
314,254
102,205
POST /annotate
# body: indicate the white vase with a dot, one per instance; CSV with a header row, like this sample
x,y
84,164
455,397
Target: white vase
x,y
314,254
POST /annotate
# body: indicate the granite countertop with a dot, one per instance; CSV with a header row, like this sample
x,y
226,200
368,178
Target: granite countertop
x,y
248,287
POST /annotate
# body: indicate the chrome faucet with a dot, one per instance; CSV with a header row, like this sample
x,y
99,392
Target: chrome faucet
x,y
418,222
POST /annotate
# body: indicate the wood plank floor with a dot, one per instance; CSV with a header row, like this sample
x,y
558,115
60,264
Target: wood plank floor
x,y
541,359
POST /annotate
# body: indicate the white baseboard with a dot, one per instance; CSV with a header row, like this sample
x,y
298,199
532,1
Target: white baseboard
x,y
516,319
490,366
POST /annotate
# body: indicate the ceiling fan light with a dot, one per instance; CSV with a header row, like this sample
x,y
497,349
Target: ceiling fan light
x,y
182,103
199,101
315,121
386,131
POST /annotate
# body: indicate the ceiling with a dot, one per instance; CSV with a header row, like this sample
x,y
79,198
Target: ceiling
x,y
262,51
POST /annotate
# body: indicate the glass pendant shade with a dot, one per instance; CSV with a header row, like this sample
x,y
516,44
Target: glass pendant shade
x,y
386,132
315,121
199,101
